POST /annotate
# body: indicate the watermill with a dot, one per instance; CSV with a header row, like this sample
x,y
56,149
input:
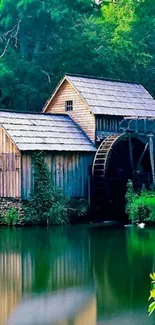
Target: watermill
x,y
119,158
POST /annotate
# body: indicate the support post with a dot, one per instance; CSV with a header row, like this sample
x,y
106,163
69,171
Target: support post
x,y
89,190
130,152
142,155
151,148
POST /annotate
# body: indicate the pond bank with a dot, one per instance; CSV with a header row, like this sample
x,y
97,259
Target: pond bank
x,y
56,210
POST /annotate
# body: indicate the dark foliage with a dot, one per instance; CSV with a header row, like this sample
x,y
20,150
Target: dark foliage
x,y
41,40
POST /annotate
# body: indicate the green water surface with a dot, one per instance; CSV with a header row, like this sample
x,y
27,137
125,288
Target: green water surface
x,y
80,275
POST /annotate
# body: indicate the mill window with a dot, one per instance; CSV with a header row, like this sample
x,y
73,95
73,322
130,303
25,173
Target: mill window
x,y
68,105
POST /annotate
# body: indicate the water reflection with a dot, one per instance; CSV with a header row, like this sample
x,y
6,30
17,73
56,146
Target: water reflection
x,y
62,307
36,262
121,274
75,276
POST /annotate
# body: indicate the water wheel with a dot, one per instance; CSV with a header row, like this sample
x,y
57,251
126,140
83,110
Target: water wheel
x,y
119,158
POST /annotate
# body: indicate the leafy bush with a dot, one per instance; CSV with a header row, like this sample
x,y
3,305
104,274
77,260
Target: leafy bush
x,y
140,207
139,212
11,217
78,208
129,197
65,210
151,308
58,214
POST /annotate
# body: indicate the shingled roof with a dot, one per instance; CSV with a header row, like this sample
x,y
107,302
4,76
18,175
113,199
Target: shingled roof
x,y
113,97
44,132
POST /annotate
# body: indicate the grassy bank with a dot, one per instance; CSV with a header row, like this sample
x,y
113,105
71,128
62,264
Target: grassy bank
x,y
140,206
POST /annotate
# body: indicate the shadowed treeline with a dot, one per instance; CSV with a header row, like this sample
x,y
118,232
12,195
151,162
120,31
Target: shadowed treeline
x,y
40,41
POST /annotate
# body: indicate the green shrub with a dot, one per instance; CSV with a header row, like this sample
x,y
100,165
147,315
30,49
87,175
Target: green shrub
x,y
139,212
78,208
11,217
30,214
130,196
58,214
65,210
140,207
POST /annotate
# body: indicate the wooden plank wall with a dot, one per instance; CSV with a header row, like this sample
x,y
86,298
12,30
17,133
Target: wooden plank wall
x,y
10,167
69,172
80,114
27,176
108,123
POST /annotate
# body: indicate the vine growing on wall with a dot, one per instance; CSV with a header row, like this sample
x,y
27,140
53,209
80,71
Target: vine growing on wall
x,y
42,179
41,197
48,205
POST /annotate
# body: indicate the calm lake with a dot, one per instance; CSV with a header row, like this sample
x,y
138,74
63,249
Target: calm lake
x,y
80,275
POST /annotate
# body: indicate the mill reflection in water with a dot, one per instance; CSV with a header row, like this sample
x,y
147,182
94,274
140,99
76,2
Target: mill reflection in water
x,y
72,306
42,268
75,276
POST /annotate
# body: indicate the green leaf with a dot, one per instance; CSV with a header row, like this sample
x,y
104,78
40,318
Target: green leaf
x,y
151,308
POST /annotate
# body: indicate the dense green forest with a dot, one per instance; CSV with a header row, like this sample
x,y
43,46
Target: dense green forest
x,y
40,40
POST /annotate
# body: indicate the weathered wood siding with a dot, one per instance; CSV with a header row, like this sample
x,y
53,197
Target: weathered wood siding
x,y
108,123
10,167
69,172
27,176
80,114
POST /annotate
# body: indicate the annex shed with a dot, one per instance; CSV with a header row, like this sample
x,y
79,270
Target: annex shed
x,y
68,153
99,105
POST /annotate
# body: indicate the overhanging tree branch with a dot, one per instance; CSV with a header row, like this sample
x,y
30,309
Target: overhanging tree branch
x,y
5,48
8,36
48,76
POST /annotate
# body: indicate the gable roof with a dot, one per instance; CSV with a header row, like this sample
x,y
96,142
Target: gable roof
x,y
44,132
111,97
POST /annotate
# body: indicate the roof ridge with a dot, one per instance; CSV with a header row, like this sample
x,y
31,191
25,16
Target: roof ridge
x,y
34,113
101,78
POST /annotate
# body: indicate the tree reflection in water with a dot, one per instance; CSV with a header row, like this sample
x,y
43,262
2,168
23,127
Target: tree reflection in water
x,y
121,274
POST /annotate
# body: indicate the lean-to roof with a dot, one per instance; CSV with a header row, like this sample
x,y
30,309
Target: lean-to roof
x,y
44,132
107,97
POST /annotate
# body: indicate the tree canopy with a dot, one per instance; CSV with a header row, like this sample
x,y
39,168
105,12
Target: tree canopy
x,y
42,40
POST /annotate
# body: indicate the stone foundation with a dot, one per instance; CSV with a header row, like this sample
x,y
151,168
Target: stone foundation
x,y
9,203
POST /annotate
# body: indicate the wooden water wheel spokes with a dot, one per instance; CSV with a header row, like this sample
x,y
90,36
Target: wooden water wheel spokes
x,y
119,158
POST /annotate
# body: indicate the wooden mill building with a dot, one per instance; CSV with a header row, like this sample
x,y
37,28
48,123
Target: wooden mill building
x,y
79,131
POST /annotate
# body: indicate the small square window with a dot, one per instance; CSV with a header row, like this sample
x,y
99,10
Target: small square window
x,y
68,105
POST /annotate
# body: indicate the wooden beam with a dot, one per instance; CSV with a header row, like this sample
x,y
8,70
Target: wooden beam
x,y
142,155
118,156
130,152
